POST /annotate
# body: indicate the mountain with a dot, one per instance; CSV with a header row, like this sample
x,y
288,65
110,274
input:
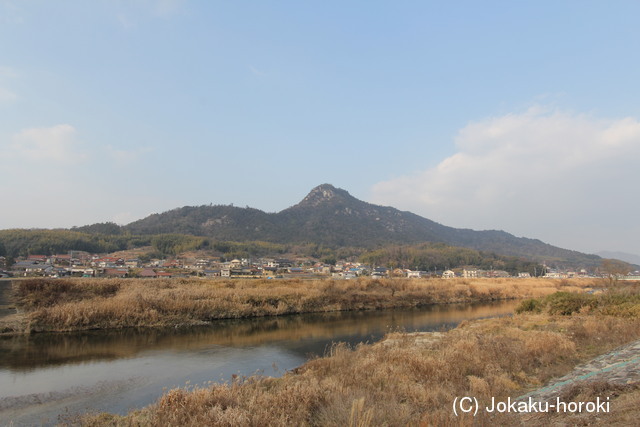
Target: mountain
x,y
331,217
622,256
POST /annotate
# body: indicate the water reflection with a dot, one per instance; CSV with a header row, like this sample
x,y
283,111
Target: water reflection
x,y
41,350
44,375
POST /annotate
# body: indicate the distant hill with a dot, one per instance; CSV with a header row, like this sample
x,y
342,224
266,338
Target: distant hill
x,y
622,256
332,217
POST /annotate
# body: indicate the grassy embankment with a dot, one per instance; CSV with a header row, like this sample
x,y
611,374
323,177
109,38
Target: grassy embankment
x,y
412,379
80,304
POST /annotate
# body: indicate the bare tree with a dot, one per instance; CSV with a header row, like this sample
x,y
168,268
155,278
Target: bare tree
x,y
614,268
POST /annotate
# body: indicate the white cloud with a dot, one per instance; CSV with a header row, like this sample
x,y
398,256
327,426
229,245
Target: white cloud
x,y
58,177
7,96
126,157
57,143
569,179
47,177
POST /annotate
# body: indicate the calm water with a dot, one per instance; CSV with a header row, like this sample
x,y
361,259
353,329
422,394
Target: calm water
x,y
45,376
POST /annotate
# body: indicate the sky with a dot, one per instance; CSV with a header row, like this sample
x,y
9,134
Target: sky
x,y
519,116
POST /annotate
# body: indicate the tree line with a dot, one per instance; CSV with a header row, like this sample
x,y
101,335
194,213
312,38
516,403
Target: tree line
x,y
439,256
21,243
425,256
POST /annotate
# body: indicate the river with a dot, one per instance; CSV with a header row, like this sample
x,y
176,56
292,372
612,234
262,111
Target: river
x,y
47,377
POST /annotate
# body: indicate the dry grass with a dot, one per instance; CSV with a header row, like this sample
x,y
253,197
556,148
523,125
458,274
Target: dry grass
x,y
620,300
623,409
64,305
410,382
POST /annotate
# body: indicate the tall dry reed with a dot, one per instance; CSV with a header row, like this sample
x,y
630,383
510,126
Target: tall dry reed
x,y
76,304
408,379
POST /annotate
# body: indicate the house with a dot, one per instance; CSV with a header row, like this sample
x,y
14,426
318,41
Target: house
x,y
202,264
243,272
448,274
417,274
355,271
379,272
132,263
635,275
551,274
60,272
115,272
62,259
108,262
37,258
469,274
325,269
269,271
500,273
32,268
80,257
82,272
148,272
174,263
39,270
284,263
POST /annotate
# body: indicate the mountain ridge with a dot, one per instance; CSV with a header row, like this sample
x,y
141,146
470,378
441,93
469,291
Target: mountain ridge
x,y
332,217
622,256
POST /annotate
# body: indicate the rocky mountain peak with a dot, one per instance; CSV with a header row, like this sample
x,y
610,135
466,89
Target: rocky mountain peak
x,y
322,194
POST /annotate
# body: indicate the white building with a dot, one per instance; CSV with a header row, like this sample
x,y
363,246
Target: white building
x,y
448,274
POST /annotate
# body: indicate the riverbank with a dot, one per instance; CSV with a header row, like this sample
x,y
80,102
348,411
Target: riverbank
x,y
55,305
412,379
119,370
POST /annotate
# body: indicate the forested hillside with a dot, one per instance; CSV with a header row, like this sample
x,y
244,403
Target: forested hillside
x,y
328,222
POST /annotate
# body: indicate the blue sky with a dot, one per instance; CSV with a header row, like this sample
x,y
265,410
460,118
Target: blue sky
x,y
520,116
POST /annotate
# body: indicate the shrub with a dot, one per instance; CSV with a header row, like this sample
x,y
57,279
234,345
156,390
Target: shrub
x,y
531,305
566,303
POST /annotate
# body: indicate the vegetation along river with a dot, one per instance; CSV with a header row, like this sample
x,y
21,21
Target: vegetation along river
x,y
47,376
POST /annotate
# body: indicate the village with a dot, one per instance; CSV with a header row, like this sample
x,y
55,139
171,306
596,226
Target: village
x,y
84,264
